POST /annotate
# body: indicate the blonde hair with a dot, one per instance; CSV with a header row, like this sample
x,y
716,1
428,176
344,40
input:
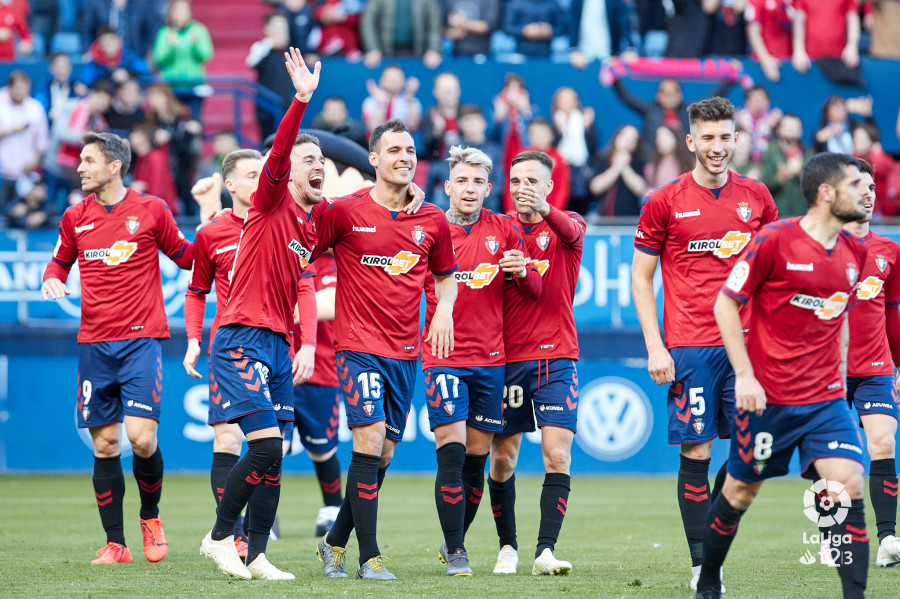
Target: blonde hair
x,y
473,156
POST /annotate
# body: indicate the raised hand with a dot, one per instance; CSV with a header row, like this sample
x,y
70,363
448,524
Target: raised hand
x,y
305,83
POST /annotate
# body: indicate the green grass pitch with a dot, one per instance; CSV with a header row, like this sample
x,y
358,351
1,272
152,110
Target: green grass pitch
x,y
622,535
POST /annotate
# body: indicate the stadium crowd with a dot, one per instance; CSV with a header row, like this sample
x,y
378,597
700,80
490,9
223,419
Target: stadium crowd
x,y
133,67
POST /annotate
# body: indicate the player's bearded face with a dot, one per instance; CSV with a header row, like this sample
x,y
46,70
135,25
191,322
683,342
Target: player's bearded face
x,y
848,205
307,173
713,144
94,169
395,160
867,191
467,187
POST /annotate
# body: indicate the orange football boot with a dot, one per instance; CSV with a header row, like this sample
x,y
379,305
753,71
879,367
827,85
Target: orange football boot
x,y
155,545
113,553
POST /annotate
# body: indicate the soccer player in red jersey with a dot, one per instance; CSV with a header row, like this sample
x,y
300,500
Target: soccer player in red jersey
x,y
116,235
874,350
250,357
384,256
696,226
801,275
541,383
464,391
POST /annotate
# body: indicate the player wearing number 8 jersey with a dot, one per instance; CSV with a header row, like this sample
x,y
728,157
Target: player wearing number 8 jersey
x,y
696,227
464,391
801,275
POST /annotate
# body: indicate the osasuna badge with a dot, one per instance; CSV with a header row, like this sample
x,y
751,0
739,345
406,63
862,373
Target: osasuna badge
x,y
852,273
880,262
759,467
418,234
698,425
132,224
543,240
744,211
368,408
449,407
493,245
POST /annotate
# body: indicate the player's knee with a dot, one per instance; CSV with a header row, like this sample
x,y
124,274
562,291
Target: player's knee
x,y
503,462
557,459
266,451
387,454
740,496
855,485
106,447
143,443
321,457
881,447
697,451
227,442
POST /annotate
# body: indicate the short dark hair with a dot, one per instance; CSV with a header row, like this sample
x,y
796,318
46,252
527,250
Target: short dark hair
x,y
870,129
106,30
103,87
470,109
18,76
307,138
710,110
865,167
757,88
112,147
335,98
229,163
536,155
828,168
394,126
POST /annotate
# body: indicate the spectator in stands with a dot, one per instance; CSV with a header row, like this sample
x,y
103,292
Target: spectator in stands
x,y
14,23
758,119
266,57
689,27
651,19
152,171
397,28
57,87
29,211
224,142
727,34
825,30
393,97
742,161
534,24
867,145
339,22
336,118
135,21
470,24
541,135
769,34
440,128
181,50
670,157
111,60
512,109
884,22
23,135
835,127
618,184
781,166
600,29
299,14
126,111
577,139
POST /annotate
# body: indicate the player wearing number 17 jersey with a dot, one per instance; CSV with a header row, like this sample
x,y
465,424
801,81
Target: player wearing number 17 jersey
x,y
696,226
801,275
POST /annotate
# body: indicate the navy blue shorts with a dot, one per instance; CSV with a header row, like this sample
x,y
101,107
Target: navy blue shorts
x,y
317,411
376,389
216,413
471,394
701,400
117,378
762,446
544,392
873,394
252,369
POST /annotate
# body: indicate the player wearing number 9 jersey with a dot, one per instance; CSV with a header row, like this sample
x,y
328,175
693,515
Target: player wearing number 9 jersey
x,y
801,275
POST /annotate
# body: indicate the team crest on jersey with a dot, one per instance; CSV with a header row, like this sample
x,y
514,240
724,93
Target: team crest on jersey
x,y
743,210
852,273
880,262
758,467
493,245
418,234
543,240
132,224
449,407
368,408
698,425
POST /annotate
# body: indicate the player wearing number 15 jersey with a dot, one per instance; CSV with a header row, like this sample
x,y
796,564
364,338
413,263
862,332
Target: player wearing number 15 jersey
x,y
696,226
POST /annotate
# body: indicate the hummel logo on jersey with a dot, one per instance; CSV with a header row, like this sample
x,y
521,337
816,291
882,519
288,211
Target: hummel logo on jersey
x,y
363,229
639,234
803,267
825,308
132,224
687,214
227,248
117,254
304,254
869,288
543,240
399,264
730,245
492,244
418,234
482,276
90,226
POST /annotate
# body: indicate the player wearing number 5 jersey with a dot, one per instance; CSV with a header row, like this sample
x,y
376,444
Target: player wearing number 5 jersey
x,y
541,349
115,234
801,275
696,227
464,391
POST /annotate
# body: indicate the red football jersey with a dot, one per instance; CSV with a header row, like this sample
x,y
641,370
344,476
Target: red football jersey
x,y
214,249
276,242
879,289
117,248
325,373
774,18
478,312
544,328
384,258
697,235
799,292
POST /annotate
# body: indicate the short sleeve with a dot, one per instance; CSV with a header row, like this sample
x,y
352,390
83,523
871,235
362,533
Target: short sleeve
x,y
653,224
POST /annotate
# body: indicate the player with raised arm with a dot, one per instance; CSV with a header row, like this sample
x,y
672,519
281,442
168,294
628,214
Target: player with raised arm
x,y
115,234
874,350
464,391
383,255
801,275
696,227
541,383
250,357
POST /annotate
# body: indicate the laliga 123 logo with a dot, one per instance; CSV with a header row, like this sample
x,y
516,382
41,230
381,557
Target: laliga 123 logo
x,y
819,505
